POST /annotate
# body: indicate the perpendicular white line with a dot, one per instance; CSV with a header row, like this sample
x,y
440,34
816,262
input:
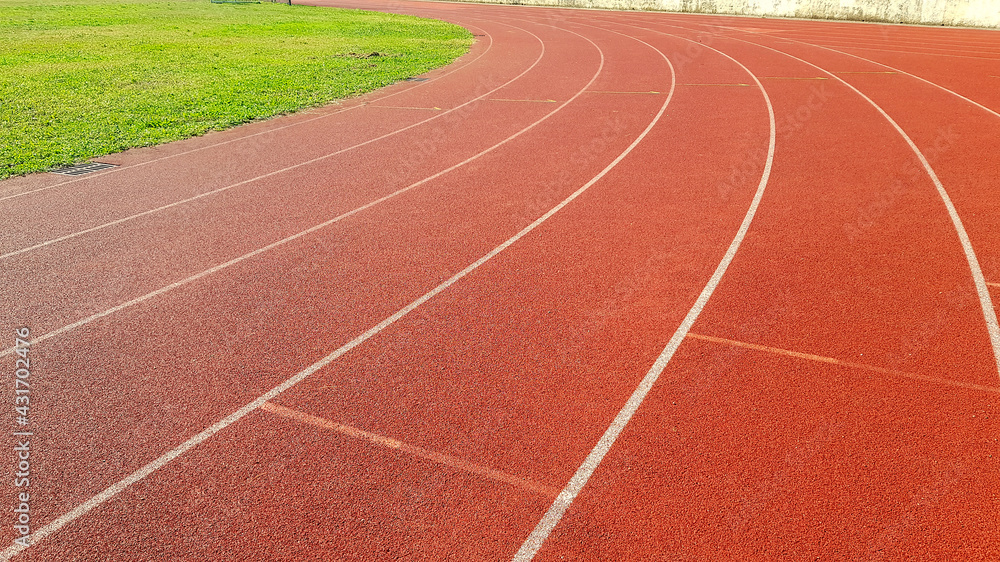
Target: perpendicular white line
x,y
238,139
394,444
983,292
275,172
232,418
338,218
582,475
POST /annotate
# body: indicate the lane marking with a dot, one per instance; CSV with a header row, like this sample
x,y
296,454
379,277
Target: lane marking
x,y
405,107
389,443
611,92
904,52
300,234
541,532
272,173
832,361
985,302
713,84
993,284
531,101
956,94
854,41
896,41
489,46
116,488
792,78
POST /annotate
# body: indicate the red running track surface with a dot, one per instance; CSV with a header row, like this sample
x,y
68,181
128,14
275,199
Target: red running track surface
x,y
612,286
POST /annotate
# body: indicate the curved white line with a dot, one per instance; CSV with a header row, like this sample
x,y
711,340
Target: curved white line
x,y
274,172
894,69
982,290
569,493
310,230
232,418
269,131
979,280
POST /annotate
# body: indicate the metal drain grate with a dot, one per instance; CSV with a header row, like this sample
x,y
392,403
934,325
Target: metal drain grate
x,y
415,79
85,168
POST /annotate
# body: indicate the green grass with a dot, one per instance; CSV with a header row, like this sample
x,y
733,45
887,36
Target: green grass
x,y
83,78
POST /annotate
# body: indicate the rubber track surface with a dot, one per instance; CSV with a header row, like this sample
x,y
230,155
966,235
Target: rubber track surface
x,y
397,328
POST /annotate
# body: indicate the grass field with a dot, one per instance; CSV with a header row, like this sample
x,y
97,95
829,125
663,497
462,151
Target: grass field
x,y
83,78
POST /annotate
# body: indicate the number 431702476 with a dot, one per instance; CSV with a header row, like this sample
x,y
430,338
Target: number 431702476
x,y
22,347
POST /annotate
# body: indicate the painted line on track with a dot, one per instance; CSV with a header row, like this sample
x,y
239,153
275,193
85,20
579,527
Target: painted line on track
x,y
985,302
390,443
230,141
793,78
279,171
854,41
853,365
637,93
893,69
896,41
529,101
297,235
405,107
906,52
140,474
982,291
541,532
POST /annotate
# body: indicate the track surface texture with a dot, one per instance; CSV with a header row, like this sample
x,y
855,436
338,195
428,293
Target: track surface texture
x,y
612,286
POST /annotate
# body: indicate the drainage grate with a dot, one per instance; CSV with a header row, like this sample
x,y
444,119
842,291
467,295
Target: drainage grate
x,y
415,79
85,168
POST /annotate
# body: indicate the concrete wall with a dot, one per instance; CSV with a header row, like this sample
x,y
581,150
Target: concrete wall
x,y
971,13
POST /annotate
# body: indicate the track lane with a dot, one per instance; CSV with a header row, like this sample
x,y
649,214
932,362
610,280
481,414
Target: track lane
x,y
609,110
881,206
748,454
397,388
955,132
556,128
540,534
71,278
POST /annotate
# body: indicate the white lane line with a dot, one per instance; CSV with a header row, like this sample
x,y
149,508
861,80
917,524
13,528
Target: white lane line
x,y
895,41
909,52
116,488
985,302
893,69
275,172
555,513
242,138
834,361
390,443
310,230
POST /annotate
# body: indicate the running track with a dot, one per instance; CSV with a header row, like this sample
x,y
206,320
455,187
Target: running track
x,y
612,286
